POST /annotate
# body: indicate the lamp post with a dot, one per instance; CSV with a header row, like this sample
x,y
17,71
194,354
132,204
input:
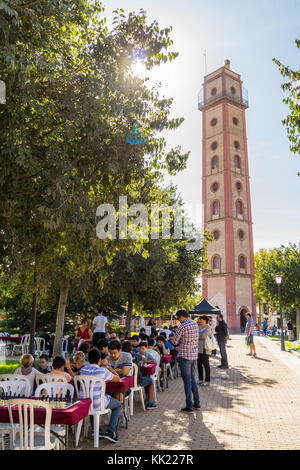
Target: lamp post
x,y
278,280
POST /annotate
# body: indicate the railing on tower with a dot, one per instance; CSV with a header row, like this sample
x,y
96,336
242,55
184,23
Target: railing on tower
x,y
239,99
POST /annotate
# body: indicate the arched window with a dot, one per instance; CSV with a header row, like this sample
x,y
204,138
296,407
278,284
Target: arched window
x,y
214,145
237,162
213,122
214,91
216,262
216,234
214,162
239,207
215,208
215,186
238,186
242,262
241,234
236,144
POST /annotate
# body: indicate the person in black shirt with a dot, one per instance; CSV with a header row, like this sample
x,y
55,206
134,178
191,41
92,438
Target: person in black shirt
x,y
222,336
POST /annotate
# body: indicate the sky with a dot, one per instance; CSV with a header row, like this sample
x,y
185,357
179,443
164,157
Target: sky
x,y
249,33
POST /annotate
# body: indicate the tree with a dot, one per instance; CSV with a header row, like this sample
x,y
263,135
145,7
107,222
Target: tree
x,y
286,262
292,121
72,99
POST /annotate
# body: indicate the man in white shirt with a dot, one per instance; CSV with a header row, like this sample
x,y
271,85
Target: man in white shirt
x,y
99,324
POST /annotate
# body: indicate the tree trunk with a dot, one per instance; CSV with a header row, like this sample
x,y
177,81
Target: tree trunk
x,y
59,330
297,323
33,314
129,311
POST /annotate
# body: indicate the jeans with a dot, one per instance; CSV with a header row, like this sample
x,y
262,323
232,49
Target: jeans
x,y
223,353
96,337
188,373
115,407
203,361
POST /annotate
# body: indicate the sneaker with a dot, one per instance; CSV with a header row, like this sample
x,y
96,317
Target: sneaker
x,y
223,367
204,384
219,367
151,406
187,410
197,407
111,436
200,382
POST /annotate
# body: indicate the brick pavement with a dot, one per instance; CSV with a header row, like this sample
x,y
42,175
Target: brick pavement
x,y
253,405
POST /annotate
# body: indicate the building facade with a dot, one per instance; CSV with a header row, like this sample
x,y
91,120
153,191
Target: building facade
x,y
226,196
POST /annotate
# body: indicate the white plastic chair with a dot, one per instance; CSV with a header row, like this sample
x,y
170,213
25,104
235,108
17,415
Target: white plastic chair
x,y
15,387
29,439
54,389
84,385
16,377
136,388
156,357
23,346
40,346
65,348
45,378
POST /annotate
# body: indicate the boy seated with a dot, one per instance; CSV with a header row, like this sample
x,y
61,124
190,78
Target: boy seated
x,y
102,346
96,369
44,367
143,381
119,360
59,364
135,341
161,345
168,345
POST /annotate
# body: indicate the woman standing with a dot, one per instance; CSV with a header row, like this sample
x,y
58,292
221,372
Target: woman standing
x,y
84,333
204,353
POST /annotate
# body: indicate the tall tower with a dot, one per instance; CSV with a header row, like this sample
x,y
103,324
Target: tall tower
x,y
226,196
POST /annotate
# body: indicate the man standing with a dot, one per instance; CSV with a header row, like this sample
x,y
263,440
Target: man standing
x,y
265,326
249,333
99,324
187,337
222,335
290,330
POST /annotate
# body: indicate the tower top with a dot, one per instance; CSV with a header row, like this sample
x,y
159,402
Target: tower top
x,y
227,63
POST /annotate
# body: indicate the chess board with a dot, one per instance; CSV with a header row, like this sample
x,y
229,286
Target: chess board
x,y
56,404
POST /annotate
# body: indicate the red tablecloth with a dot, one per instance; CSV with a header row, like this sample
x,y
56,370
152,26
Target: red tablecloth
x,y
120,387
149,369
166,359
12,339
70,416
174,352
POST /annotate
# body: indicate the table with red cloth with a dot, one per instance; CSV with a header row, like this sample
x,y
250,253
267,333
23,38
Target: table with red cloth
x,y
11,339
121,387
166,359
148,369
174,352
66,417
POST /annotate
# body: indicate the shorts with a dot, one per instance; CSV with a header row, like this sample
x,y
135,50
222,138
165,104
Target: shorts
x,y
251,339
146,382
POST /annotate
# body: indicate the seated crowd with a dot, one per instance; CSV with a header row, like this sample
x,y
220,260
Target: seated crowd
x,y
111,360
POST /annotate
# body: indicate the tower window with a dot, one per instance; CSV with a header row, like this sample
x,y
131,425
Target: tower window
x,y
213,122
215,187
215,208
242,262
237,162
214,91
238,185
214,162
239,207
233,90
216,234
216,262
236,144
214,145
241,234
235,121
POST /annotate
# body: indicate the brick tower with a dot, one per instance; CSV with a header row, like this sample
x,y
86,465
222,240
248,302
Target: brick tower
x,y
226,196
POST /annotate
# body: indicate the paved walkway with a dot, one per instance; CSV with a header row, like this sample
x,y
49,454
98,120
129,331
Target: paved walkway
x,y
253,405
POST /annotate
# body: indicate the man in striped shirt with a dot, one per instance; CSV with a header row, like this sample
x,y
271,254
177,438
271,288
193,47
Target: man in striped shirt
x,y
187,337
96,369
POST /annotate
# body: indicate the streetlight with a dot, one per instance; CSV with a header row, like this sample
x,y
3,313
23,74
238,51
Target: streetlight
x,y
278,280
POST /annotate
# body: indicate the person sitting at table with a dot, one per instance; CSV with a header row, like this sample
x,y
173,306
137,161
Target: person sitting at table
x,y
114,337
102,346
135,341
161,345
146,382
85,347
152,346
168,345
79,360
28,371
127,336
126,347
59,365
96,369
44,367
121,337
119,360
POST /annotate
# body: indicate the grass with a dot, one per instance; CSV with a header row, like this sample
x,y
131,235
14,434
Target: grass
x,y
9,367
290,345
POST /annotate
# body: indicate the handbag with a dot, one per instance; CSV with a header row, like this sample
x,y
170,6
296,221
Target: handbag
x,y
209,343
